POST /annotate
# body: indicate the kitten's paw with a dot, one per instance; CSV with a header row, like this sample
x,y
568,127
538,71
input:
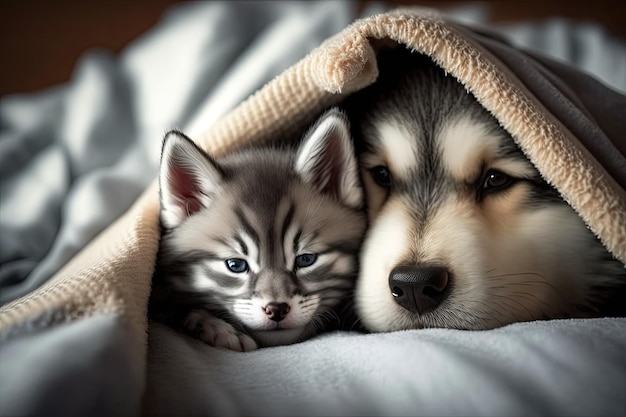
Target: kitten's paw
x,y
216,332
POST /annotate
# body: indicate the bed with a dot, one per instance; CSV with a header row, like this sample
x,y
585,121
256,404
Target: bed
x,y
79,228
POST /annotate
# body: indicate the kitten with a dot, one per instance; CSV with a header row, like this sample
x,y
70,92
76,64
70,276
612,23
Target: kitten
x,y
259,247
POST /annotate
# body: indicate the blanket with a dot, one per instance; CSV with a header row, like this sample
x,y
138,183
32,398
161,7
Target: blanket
x,y
78,258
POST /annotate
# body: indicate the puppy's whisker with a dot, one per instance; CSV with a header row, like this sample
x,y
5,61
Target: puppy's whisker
x,y
515,274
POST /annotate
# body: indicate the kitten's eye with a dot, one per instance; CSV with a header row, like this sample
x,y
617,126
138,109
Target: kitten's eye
x,y
237,266
495,181
304,260
381,175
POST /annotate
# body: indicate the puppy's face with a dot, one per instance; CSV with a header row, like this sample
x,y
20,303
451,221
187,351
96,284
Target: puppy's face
x,y
464,233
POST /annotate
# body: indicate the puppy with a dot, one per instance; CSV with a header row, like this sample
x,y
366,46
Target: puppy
x,y
464,232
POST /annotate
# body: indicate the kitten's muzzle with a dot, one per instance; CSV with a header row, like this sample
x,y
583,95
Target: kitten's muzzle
x,y
419,288
276,311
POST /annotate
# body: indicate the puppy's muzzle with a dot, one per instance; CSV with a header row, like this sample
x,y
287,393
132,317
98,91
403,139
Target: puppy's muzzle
x,y
419,288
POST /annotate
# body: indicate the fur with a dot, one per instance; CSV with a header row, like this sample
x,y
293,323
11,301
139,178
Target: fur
x,y
464,232
259,248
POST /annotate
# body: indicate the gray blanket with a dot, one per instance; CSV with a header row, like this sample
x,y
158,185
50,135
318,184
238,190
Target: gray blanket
x,y
75,157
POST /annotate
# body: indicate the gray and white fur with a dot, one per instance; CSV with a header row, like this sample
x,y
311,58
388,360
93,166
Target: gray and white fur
x,y
260,247
464,231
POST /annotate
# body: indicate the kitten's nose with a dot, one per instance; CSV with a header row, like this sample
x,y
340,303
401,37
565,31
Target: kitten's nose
x,y
276,311
419,288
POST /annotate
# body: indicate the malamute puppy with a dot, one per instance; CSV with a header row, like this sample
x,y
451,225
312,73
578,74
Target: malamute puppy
x,y
464,232
259,246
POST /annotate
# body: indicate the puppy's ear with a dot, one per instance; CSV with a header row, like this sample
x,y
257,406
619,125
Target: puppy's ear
x,y
188,179
326,159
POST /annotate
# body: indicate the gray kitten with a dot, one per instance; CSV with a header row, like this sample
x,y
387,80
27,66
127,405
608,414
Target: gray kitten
x,y
258,248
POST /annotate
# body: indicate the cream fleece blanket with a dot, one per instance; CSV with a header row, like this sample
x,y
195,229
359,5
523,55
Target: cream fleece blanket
x,y
569,125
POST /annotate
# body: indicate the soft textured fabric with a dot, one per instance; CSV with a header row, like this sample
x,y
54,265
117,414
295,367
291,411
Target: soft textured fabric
x,y
79,228
567,367
85,367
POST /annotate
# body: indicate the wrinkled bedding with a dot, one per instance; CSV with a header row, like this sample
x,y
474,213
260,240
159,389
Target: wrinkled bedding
x,y
551,368
74,158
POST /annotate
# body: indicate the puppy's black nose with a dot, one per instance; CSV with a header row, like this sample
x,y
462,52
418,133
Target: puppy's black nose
x,y
419,288
276,311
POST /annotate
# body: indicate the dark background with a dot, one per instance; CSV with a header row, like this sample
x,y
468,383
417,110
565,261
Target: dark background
x,y
40,41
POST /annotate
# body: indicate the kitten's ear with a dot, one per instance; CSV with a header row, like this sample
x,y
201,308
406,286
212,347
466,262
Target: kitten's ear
x,y
326,159
188,178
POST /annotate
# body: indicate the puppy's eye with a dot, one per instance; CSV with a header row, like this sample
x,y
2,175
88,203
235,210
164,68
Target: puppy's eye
x,y
495,181
237,266
306,259
382,176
